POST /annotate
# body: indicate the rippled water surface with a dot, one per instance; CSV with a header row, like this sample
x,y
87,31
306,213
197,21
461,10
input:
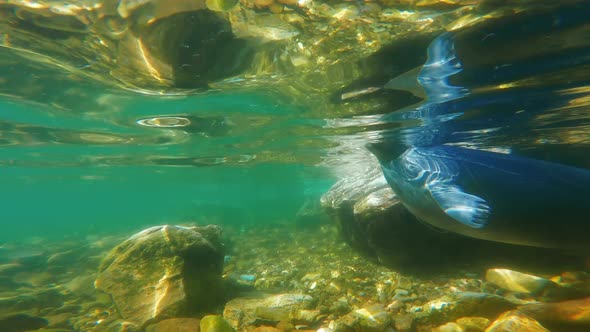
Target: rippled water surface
x,y
93,133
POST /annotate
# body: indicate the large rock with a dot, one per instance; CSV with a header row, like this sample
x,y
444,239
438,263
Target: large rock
x,y
461,304
560,315
164,271
518,282
371,219
514,321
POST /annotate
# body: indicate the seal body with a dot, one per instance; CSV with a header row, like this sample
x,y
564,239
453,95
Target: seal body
x,y
492,196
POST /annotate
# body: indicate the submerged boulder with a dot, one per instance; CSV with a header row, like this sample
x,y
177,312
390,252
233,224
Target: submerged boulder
x,y
373,220
560,315
514,321
164,271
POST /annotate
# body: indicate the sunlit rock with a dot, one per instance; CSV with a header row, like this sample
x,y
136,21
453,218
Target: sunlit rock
x,y
473,324
215,323
371,319
461,304
164,271
241,312
514,321
449,327
518,282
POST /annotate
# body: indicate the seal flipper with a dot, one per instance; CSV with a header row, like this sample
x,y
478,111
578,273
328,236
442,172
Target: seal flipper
x,y
470,210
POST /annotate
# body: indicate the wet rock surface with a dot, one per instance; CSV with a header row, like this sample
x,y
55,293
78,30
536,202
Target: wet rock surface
x,y
175,325
164,271
243,312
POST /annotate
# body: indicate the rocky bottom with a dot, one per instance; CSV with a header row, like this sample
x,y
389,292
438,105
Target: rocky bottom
x,y
282,278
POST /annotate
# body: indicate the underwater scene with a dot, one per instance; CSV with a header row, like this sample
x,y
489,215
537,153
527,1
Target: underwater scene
x,y
295,165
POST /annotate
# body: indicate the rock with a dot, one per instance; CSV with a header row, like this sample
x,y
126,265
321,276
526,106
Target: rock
x,y
404,322
372,220
241,312
514,321
369,319
164,271
82,286
518,282
340,307
449,327
175,325
303,316
462,304
373,318
215,323
473,324
565,313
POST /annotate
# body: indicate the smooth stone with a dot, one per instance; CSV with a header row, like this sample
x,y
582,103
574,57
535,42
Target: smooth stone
x,y
449,327
404,322
164,271
241,312
473,324
461,304
518,282
514,321
215,323
371,319
175,325
303,316
572,312
340,307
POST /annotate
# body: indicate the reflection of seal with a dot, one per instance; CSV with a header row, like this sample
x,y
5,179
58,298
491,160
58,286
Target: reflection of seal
x,y
492,196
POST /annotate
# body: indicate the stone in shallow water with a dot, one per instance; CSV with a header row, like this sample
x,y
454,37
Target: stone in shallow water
x,y
215,323
518,282
241,312
175,325
461,304
573,312
449,327
473,324
164,271
371,319
514,321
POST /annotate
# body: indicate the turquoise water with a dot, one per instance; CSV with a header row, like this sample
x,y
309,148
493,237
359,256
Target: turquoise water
x,y
100,172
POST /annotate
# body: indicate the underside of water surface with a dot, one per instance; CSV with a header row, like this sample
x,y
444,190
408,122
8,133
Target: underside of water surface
x,y
282,165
